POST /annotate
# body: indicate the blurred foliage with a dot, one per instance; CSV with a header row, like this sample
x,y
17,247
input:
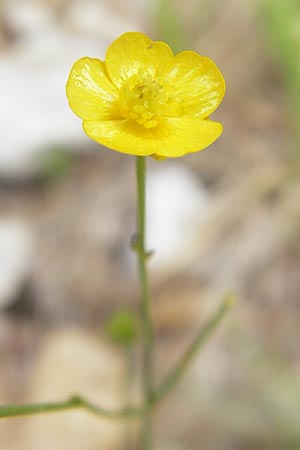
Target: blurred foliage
x,y
167,23
55,164
281,20
122,328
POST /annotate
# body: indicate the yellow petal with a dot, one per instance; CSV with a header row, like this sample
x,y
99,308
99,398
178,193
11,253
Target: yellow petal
x,y
91,94
134,52
197,83
173,138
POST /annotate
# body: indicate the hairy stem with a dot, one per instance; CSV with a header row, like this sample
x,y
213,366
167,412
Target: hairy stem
x,y
148,329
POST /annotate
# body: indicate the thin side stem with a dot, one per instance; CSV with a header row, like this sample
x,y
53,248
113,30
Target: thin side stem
x,y
73,403
148,331
178,371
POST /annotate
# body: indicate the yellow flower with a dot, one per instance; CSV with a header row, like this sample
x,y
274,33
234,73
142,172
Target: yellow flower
x,y
143,100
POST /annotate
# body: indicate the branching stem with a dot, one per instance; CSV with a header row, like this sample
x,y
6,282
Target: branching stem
x,y
168,383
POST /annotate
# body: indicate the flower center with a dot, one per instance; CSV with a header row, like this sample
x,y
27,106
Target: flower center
x,y
142,99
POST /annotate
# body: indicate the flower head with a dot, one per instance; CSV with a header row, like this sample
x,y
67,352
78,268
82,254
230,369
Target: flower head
x,y
143,100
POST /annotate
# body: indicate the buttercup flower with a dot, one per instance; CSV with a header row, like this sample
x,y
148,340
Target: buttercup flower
x,y
143,100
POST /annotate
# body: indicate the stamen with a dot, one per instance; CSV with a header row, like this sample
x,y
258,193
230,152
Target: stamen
x,y
141,100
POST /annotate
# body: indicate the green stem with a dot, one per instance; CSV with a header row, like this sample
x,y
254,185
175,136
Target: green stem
x,y
73,403
148,331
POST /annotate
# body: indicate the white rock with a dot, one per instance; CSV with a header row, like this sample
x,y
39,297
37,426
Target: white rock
x,y
34,113
16,257
175,204
102,18
27,15
73,361
34,109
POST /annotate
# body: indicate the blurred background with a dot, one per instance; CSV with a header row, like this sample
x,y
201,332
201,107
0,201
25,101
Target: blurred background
x,y
225,219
